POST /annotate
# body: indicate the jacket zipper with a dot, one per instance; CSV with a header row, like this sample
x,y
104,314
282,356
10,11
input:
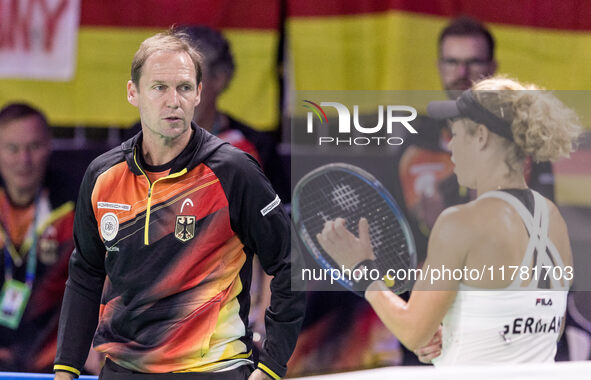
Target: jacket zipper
x,y
150,192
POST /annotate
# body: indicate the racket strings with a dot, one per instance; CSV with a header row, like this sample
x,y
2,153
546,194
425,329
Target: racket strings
x,y
340,194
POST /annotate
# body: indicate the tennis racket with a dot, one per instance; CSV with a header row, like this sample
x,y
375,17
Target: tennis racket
x,y
345,191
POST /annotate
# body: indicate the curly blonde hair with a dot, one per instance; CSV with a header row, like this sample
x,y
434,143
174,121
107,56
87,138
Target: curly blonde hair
x,y
542,126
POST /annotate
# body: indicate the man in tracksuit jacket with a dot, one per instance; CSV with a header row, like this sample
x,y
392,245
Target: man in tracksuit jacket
x,y
165,232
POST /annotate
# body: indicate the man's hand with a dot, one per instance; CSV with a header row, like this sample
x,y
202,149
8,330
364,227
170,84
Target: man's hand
x,y
258,375
431,350
94,362
61,375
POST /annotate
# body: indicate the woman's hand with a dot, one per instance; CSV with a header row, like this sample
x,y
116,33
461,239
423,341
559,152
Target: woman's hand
x,y
431,350
342,246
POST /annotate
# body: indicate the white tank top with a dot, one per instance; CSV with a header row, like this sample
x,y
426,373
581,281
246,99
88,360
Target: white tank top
x,y
508,325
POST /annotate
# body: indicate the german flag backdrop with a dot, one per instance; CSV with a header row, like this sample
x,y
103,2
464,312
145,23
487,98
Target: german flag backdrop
x,y
332,44
391,44
110,33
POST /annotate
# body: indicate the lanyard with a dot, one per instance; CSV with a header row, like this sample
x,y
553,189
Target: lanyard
x,y
32,255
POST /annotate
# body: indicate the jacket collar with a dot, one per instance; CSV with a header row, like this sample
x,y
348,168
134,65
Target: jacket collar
x,y
201,145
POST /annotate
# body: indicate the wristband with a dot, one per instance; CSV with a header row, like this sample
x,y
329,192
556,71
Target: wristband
x,y
359,287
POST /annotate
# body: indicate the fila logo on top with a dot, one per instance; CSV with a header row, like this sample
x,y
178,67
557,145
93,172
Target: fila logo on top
x,y
184,229
544,301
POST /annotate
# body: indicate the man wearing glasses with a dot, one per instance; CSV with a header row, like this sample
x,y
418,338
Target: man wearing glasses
x,y
466,54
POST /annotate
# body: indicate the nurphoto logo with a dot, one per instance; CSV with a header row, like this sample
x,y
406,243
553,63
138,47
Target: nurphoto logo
x,y
394,114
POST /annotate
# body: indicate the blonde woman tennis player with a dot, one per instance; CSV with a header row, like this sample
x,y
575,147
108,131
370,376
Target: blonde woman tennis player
x,y
510,234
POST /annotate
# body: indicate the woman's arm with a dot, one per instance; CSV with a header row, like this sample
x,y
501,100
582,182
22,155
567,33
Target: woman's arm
x,y
414,323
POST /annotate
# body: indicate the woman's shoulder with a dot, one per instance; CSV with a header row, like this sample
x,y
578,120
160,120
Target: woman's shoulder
x,y
469,212
477,218
455,224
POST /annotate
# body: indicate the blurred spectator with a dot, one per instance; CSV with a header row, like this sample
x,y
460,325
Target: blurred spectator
x,y
466,53
36,216
218,71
